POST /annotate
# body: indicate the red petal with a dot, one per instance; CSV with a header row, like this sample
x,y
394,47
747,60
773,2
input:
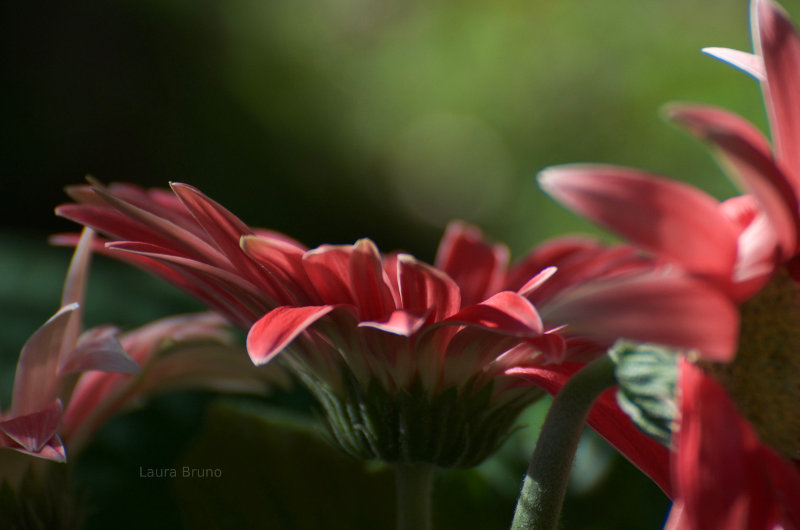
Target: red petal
x,y
476,266
663,215
670,310
224,228
36,379
33,431
328,269
154,228
283,263
278,328
506,312
213,279
777,43
373,295
400,322
748,154
424,289
537,281
718,469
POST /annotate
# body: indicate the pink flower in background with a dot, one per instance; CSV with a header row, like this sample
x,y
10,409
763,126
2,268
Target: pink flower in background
x,y
69,382
47,361
735,464
387,335
185,351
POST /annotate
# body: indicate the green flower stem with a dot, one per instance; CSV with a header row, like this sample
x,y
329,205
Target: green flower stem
x,y
414,489
539,504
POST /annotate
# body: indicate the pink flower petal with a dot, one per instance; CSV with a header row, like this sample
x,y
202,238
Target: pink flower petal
x,y
278,328
506,312
212,278
553,253
75,283
777,43
138,224
32,431
608,420
224,228
100,351
537,281
747,62
53,450
283,262
476,266
36,379
576,260
671,310
372,291
328,269
666,216
748,155
424,289
714,446
741,210
400,322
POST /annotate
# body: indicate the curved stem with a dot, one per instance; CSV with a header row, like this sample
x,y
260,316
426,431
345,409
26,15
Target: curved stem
x,y
414,489
539,504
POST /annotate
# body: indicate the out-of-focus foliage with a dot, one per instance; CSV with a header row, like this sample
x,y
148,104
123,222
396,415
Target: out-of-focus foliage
x,y
336,119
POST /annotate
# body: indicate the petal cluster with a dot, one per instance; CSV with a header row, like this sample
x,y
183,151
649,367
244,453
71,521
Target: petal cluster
x,y
379,338
725,476
69,381
54,351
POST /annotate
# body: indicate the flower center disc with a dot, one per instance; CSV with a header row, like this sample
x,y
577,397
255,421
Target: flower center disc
x,y
764,379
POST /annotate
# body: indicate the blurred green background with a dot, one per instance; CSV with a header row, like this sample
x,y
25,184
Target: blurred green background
x,y
333,120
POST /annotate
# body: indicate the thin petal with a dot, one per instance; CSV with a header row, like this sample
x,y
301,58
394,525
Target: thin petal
x,y
75,288
215,278
537,281
283,264
373,295
151,227
100,351
476,266
669,217
748,156
278,328
35,381
576,260
424,289
777,43
506,312
224,228
748,63
671,310
400,322
553,253
75,282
